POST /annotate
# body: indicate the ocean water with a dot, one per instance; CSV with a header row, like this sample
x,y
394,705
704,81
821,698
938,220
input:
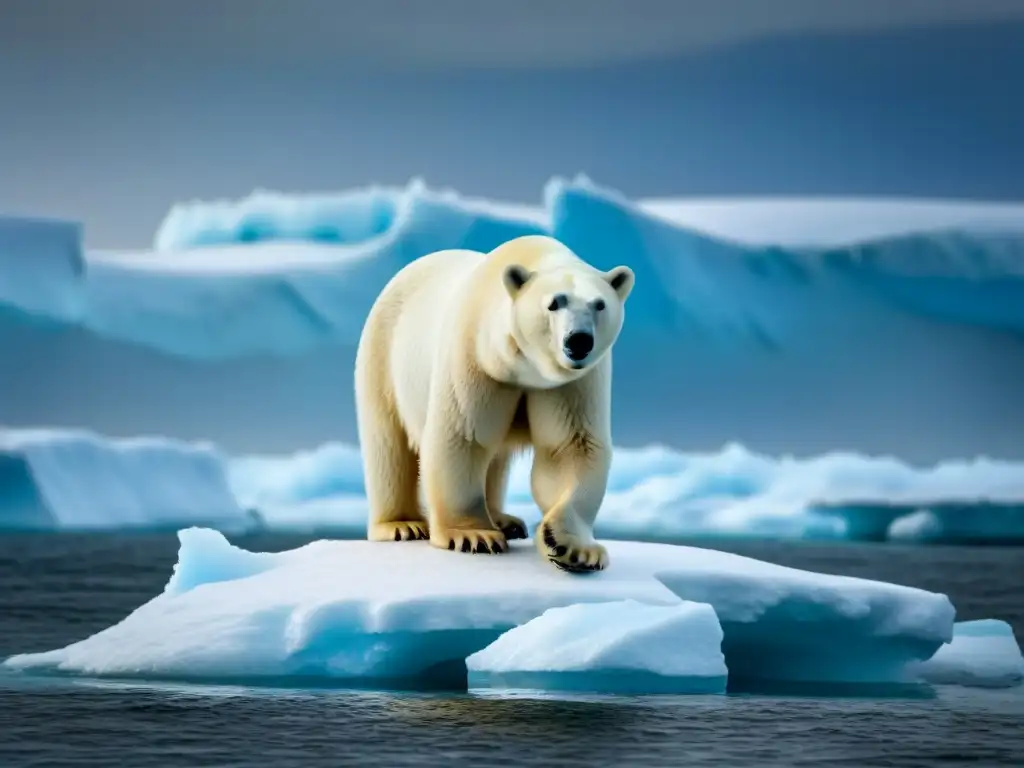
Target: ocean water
x,y
55,589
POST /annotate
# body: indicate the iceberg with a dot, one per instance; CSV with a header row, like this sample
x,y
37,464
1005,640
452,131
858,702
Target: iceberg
x,y
73,480
983,654
622,647
345,218
239,326
68,479
40,261
831,221
658,494
376,614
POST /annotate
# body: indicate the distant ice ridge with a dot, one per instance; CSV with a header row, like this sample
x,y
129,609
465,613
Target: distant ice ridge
x,y
983,654
359,612
74,480
615,647
343,218
236,300
67,479
284,274
659,494
357,215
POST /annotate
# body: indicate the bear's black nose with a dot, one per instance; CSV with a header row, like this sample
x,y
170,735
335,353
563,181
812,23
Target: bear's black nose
x,y
578,345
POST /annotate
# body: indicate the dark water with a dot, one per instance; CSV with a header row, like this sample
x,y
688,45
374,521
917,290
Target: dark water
x,y
58,589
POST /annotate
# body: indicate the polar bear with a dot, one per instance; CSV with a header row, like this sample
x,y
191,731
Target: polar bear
x,y
467,358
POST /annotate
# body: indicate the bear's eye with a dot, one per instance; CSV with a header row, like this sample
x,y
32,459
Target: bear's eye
x,y
557,303
599,305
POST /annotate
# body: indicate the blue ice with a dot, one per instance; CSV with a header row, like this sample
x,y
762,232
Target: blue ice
x,y
656,493
71,479
365,613
983,654
76,480
623,647
282,275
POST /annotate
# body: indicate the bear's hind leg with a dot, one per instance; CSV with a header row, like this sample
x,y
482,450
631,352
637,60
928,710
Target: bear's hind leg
x,y
454,477
496,487
391,471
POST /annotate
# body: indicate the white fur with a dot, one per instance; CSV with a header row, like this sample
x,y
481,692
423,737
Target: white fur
x,y
456,349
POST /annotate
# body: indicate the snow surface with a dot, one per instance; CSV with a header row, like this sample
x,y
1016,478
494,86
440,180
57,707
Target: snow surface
x,y
614,647
369,612
983,654
74,480
240,328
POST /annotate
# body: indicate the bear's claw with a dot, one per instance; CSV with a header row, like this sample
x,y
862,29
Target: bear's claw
x,y
476,542
512,527
571,556
405,530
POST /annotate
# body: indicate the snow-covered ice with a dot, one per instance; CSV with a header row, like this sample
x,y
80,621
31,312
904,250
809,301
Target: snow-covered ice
x,y
616,647
815,221
74,480
656,493
983,654
59,479
373,613
899,335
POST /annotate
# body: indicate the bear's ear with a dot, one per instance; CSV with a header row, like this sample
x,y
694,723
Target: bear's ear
x,y
621,280
515,278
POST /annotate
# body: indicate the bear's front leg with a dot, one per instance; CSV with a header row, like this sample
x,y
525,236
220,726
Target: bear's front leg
x,y
572,457
454,474
569,488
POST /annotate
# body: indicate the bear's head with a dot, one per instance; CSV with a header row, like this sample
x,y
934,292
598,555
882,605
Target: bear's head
x,y
566,318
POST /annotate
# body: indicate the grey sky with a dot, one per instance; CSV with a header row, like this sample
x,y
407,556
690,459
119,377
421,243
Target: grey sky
x,y
114,109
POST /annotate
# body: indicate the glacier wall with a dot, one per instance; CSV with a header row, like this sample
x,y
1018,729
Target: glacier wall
x,y
239,326
72,480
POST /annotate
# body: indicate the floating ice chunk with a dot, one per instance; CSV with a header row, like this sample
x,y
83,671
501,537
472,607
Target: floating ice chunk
x,y
73,479
920,525
619,647
371,612
983,654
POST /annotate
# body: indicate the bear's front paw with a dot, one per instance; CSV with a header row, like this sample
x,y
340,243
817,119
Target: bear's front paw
x,y
405,530
569,552
472,541
511,526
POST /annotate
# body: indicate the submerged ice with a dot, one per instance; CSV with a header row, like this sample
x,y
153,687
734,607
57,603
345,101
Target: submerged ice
x,y
373,613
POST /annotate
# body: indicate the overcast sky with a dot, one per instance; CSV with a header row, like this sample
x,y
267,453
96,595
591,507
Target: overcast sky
x,y
111,110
